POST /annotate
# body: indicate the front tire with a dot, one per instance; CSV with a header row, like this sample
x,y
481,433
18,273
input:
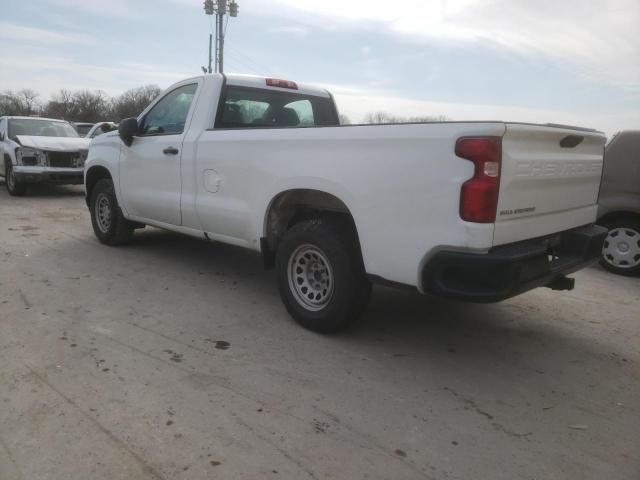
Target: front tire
x,y
14,186
320,275
621,249
109,224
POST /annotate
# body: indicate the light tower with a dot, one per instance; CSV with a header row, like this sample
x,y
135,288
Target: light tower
x,y
221,9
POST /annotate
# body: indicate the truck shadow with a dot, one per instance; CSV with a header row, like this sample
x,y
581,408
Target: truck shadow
x,y
46,191
536,352
399,322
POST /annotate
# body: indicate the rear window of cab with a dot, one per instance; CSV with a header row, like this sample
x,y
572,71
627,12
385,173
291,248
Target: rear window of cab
x,y
244,107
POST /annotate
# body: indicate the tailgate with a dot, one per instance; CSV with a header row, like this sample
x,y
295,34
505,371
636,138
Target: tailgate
x,y
549,181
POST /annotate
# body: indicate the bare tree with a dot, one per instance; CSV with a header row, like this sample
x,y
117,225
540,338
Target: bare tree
x,y
23,102
61,105
91,106
132,102
80,106
429,119
343,119
383,117
29,101
7,106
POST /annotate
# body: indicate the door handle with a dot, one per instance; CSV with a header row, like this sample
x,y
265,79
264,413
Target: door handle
x,y
170,151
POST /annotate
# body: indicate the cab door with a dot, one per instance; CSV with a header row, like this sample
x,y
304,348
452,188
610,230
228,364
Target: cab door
x,y
150,168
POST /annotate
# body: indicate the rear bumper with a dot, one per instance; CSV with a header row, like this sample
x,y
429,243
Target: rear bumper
x,y
511,269
48,175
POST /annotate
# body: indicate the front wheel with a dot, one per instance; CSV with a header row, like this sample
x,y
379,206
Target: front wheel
x,y
621,249
109,225
320,274
15,187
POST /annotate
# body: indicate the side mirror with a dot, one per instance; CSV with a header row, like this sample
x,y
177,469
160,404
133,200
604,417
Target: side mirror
x,y
1,136
128,129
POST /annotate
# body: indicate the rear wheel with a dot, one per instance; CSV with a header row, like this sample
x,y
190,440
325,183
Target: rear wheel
x,y
14,186
621,249
320,274
109,224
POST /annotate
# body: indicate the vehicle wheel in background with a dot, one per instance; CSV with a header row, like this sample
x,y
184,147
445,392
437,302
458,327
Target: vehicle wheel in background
x,y
109,224
320,274
14,187
621,249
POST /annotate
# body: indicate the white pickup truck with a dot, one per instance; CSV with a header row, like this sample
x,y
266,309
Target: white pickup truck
x,y
479,211
40,150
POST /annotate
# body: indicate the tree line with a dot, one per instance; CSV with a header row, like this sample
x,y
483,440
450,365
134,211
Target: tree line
x,y
79,106
379,118
95,106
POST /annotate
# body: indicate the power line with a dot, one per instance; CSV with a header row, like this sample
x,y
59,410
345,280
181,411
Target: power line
x,y
239,67
244,67
261,67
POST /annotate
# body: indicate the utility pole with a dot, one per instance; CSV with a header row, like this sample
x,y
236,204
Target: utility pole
x,y
210,46
221,9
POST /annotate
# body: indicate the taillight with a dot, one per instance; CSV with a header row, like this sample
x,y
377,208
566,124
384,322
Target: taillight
x,y
479,195
604,154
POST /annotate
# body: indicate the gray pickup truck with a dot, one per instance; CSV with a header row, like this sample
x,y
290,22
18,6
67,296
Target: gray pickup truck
x,y
619,203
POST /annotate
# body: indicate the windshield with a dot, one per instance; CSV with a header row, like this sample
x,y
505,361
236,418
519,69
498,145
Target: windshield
x,y
40,128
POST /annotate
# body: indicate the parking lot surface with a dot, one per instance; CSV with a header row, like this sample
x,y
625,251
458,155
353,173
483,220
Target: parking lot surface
x,y
173,358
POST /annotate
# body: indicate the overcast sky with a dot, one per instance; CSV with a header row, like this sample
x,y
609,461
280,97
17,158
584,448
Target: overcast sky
x,y
563,61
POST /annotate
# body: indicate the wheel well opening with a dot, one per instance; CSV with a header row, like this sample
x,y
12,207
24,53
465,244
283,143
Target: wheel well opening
x,y
294,206
93,175
615,216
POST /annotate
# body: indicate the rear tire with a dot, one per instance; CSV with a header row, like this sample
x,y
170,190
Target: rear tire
x,y
321,276
14,187
621,249
109,224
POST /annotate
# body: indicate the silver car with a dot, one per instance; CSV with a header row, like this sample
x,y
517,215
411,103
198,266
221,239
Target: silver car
x,y
100,128
619,204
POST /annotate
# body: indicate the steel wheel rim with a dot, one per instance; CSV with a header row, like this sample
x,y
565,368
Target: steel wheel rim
x,y
11,179
622,248
103,213
311,278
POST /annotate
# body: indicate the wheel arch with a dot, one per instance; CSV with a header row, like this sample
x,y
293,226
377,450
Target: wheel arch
x,y
6,161
92,176
617,215
289,207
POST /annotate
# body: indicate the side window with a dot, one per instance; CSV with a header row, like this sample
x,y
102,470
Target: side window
x,y
169,115
246,107
3,130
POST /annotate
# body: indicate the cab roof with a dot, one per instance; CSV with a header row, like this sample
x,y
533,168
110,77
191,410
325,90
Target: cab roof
x,y
255,81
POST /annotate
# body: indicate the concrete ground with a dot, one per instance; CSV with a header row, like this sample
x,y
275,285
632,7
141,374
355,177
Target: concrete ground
x,y
173,358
